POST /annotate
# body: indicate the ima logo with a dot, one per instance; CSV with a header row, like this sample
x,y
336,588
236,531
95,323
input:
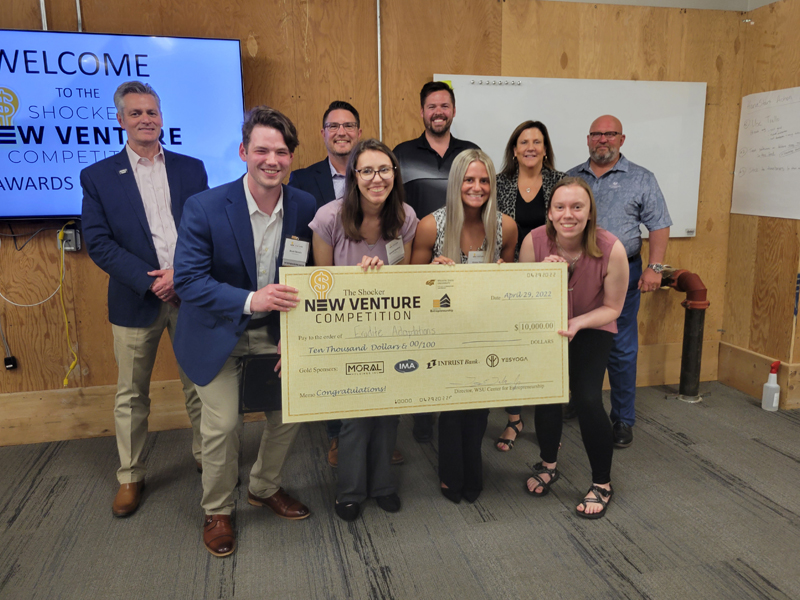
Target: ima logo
x,y
443,302
406,366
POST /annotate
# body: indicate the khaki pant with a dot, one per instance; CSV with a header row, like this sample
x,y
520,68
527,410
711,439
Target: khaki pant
x,y
220,429
135,351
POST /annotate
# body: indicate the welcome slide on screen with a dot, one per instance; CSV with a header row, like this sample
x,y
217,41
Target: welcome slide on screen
x,y
57,113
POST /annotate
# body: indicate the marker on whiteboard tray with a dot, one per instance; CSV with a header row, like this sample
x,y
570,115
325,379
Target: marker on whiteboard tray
x,y
772,391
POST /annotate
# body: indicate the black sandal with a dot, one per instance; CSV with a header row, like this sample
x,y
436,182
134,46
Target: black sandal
x,y
510,443
601,496
538,470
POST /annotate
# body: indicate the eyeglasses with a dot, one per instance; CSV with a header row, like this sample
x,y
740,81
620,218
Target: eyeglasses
x,y
609,135
368,173
334,127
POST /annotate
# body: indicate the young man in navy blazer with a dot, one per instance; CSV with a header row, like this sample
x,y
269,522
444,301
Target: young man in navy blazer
x,y
341,130
132,205
230,245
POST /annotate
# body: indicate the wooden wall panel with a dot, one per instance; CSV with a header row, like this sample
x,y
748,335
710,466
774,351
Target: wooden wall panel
x,y
36,334
20,14
777,255
420,38
740,274
763,263
327,69
587,41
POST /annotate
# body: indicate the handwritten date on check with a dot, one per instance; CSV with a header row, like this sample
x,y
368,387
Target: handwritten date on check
x,y
411,339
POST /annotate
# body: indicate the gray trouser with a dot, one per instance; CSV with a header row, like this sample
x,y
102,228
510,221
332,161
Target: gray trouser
x,y
365,458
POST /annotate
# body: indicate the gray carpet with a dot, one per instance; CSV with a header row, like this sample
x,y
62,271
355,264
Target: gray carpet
x,y
707,505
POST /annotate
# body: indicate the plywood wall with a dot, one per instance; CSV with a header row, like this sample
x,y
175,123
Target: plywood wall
x,y
762,266
298,55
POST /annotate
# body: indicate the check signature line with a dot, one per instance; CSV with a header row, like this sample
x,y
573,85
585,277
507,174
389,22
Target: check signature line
x,y
512,385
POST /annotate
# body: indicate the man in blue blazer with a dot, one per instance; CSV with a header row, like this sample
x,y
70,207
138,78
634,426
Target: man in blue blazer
x,y
132,205
341,130
231,242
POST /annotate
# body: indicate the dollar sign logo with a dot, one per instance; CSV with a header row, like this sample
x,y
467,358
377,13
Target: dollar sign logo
x,y
321,282
9,103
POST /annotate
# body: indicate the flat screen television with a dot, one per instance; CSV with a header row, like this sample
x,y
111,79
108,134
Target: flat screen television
x,y
57,112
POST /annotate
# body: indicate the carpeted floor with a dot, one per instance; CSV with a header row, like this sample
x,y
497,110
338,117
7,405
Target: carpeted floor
x,y
707,505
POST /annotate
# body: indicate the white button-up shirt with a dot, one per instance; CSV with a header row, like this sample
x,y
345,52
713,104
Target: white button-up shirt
x,y
151,179
266,241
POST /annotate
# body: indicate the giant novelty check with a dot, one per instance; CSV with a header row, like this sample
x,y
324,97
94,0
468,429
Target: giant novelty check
x,y
410,339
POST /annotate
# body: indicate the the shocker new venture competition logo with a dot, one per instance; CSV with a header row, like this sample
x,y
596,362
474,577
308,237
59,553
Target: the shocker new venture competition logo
x,y
9,104
321,282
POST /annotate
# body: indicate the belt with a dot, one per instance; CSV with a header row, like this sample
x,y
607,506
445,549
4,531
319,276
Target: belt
x,y
635,257
256,323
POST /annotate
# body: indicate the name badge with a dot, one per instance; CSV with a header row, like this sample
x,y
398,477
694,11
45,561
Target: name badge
x,y
475,257
395,251
295,252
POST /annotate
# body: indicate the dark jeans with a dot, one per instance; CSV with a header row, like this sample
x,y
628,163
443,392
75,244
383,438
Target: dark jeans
x,y
588,357
625,351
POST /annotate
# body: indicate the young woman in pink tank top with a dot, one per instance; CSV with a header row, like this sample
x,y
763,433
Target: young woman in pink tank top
x,y
598,268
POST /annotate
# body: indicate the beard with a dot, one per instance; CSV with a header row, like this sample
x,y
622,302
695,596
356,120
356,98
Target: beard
x,y
438,130
605,158
336,151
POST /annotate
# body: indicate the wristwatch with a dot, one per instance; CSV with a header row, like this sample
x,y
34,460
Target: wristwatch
x,y
657,267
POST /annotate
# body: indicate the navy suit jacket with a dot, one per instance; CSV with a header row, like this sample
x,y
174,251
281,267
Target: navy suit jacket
x,y
316,180
215,271
117,234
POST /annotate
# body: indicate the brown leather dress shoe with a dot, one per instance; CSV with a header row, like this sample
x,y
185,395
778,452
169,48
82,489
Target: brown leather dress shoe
x,y
397,457
218,535
333,453
127,500
282,504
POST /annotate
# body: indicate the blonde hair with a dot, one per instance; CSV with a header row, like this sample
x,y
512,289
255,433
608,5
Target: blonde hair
x,y
454,209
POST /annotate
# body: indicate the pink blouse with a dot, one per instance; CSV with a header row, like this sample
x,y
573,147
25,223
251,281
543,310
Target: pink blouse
x,y
585,291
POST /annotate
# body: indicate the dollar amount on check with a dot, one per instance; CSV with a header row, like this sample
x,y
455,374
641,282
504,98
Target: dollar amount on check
x,y
410,339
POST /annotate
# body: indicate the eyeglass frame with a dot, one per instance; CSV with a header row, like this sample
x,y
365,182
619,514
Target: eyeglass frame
x,y
349,127
609,135
391,170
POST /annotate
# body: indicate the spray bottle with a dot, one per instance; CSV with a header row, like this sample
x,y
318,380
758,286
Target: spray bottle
x,y
772,392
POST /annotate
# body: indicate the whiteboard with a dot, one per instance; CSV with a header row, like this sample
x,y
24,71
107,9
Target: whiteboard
x,y
767,175
662,121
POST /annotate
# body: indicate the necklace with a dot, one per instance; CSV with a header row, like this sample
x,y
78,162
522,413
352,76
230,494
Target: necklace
x,y
528,190
570,259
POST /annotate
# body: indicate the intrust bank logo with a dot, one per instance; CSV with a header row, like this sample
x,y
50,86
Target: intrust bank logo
x,y
9,105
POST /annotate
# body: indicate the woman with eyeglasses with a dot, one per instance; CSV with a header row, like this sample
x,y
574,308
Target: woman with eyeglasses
x,y
469,229
369,227
524,186
598,280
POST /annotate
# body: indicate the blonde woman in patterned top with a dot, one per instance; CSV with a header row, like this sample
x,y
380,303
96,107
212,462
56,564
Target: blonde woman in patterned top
x,y
468,229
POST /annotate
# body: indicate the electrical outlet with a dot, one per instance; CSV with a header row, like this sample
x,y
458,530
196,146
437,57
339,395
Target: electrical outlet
x,y
72,240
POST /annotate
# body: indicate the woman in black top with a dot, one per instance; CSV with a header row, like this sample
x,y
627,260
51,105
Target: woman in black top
x,y
524,187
